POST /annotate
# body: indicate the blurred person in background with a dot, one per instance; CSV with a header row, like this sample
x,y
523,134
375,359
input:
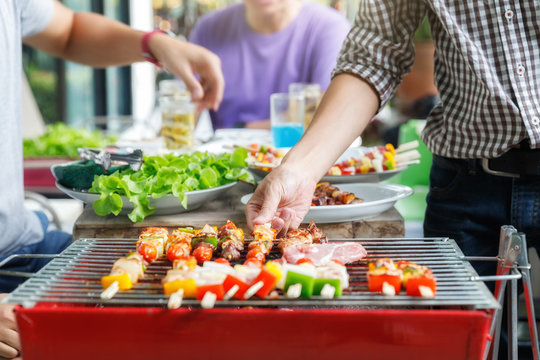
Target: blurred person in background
x,y
89,39
265,45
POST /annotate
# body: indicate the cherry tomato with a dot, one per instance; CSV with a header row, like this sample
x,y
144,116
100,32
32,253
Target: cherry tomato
x,y
304,260
177,251
202,254
148,252
222,261
257,254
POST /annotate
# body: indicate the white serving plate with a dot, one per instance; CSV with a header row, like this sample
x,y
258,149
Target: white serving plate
x,y
377,199
168,204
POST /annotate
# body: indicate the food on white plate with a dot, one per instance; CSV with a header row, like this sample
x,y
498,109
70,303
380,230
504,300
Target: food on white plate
x,y
324,254
327,194
377,159
264,157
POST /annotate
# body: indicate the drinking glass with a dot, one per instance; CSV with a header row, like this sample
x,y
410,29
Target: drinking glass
x,y
286,118
178,121
312,96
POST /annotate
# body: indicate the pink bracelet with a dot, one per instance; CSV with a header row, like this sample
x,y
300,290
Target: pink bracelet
x,y
146,52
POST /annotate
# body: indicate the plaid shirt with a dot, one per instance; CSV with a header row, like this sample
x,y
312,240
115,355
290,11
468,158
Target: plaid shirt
x,y
487,68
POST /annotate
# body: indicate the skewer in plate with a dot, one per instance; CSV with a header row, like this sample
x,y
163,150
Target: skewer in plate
x,y
110,291
407,156
294,291
175,300
229,294
328,291
407,146
253,289
209,300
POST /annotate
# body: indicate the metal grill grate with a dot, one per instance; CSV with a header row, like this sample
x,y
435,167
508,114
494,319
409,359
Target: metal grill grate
x,y
74,277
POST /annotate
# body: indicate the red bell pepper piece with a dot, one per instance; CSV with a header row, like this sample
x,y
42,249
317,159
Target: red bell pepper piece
x,y
214,288
232,280
269,280
414,283
375,282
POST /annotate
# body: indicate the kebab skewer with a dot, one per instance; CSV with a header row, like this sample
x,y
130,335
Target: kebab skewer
x,y
151,243
263,241
204,244
230,241
125,272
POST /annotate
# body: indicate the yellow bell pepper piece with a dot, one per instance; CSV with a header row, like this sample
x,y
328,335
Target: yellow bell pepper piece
x,y
188,285
275,269
390,148
335,170
124,282
364,169
390,157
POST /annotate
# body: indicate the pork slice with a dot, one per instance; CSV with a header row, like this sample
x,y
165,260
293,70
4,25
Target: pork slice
x,y
322,254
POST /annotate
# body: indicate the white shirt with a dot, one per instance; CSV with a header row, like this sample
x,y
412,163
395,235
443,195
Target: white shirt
x,y
18,19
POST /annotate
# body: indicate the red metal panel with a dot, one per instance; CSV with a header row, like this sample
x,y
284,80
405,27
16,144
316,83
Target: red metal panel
x,y
62,332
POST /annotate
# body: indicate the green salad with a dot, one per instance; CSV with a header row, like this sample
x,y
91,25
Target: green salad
x,y
167,174
61,140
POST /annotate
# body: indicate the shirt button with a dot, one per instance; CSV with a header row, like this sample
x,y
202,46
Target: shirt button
x,y
509,14
536,121
520,70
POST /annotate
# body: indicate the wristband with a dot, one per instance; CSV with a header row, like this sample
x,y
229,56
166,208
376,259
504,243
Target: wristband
x,y
146,52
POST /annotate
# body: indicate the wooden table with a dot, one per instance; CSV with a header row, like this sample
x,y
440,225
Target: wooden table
x,y
217,212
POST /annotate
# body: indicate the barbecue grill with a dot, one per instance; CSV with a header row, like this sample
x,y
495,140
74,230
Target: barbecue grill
x,y
61,314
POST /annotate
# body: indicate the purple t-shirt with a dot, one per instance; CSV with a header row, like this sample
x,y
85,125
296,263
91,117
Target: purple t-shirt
x,y
257,65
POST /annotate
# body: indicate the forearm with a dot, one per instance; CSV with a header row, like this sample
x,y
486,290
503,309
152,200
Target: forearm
x,y
97,41
88,38
345,110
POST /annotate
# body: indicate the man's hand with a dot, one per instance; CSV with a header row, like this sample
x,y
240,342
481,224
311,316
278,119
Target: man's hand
x,y
10,344
185,60
283,198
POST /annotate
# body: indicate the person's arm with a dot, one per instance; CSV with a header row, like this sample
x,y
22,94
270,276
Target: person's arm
x,y
284,197
92,39
9,338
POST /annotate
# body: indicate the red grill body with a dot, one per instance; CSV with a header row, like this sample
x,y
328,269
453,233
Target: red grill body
x,y
61,332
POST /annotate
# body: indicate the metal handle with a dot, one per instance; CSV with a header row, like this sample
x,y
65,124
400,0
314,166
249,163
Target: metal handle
x,y
22,256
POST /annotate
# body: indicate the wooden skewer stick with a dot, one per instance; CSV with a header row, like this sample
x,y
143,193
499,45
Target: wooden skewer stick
x,y
328,291
407,163
253,289
209,300
229,294
175,300
426,291
407,146
388,289
109,292
294,291
407,156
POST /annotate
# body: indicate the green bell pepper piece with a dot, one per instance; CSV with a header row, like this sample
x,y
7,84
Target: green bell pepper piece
x,y
297,278
319,284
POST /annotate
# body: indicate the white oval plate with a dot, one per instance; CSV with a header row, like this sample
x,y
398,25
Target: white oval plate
x,y
377,199
168,204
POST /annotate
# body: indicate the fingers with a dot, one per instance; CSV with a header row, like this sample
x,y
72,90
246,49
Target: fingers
x,y
213,83
9,343
9,337
285,215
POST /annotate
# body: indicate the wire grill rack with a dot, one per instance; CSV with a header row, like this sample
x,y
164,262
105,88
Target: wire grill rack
x,y
74,277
